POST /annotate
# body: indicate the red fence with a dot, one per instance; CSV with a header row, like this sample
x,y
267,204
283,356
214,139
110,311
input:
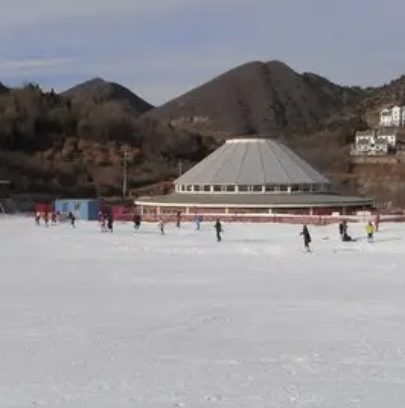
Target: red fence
x,y
286,219
316,220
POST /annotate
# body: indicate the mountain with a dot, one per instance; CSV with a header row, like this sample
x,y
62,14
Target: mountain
x,y
101,91
74,143
260,98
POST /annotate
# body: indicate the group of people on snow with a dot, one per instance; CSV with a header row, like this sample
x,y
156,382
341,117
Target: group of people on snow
x,y
197,221
45,217
344,236
54,217
343,232
370,229
106,221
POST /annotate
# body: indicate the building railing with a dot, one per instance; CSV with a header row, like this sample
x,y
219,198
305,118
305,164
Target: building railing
x,y
355,151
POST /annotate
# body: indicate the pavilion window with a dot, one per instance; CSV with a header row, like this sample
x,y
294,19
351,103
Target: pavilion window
x,y
257,189
244,189
196,188
207,188
217,189
229,189
284,188
295,188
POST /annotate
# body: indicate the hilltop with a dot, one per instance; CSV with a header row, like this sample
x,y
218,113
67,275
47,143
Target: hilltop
x,y
100,91
73,143
259,98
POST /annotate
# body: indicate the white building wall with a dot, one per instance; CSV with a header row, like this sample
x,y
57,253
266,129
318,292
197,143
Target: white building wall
x,y
374,143
386,121
386,117
393,117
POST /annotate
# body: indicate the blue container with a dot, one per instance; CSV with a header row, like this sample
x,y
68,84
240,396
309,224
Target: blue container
x,y
86,210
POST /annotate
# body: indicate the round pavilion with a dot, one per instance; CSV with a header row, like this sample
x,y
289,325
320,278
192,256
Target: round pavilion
x,y
252,176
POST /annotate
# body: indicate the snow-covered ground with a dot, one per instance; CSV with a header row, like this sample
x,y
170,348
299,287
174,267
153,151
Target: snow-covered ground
x,y
140,320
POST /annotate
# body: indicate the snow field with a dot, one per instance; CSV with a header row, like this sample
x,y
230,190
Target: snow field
x,y
136,319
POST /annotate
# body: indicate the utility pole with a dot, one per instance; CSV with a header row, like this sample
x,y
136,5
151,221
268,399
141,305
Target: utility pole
x,y
180,168
125,175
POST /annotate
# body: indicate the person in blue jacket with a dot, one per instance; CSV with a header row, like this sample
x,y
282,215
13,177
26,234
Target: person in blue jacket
x,y
197,220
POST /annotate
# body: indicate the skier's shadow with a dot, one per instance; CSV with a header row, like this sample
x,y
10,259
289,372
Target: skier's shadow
x,y
376,241
387,240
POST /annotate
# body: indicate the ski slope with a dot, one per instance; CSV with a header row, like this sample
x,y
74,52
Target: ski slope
x,y
140,320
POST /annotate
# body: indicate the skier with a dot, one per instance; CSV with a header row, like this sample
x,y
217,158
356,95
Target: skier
x,y
162,226
38,218
110,222
103,220
219,230
137,221
72,219
341,230
345,236
54,218
178,219
46,218
197,220
307,238
370,231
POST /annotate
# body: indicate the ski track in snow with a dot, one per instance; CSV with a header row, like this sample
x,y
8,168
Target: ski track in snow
x,y
136,319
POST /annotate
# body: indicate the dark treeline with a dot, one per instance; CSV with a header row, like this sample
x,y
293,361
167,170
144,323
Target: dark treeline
x,y
52,143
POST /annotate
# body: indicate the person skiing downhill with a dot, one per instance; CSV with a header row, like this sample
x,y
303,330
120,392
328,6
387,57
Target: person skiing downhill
x,y
307,238
219,230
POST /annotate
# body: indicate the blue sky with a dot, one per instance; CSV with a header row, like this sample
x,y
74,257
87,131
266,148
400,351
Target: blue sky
x,y
163,48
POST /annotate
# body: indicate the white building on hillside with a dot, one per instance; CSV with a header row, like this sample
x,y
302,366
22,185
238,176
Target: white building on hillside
x,y
394,116
375,142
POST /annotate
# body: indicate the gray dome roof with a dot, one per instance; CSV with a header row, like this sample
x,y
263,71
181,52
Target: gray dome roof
x,y
252,162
